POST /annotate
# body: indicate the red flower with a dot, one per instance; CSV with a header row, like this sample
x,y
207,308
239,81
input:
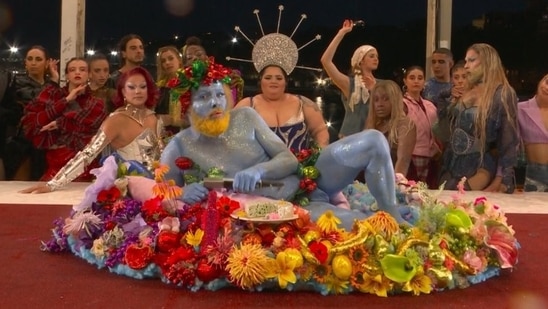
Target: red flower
x,y
172,83
109,225
303,154
168,240
226,206
182,254
268,239
153,211
184,99
138,256
184,163
319,250
307,184
109,196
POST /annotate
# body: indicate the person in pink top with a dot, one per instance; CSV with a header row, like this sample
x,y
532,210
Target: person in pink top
x,y
424,114
533,127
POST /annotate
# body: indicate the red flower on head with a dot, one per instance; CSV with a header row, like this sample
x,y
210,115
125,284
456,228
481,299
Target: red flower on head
x,y
172,83
184,163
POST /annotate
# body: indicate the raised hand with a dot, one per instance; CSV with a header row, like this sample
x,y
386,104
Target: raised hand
x,y
53,71
76,92
347,26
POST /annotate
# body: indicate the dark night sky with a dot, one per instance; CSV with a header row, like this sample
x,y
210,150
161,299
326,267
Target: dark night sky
x,y
38,21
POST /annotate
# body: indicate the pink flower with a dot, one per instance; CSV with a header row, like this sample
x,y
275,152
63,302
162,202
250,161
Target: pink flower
x,y
500,239
480,200
470,257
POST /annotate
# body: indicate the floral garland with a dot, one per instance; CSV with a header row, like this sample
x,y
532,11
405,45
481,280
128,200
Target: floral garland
x,y
308,172
191,77
452,245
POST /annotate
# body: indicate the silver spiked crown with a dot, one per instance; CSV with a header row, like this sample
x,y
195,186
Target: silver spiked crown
x,y
275,48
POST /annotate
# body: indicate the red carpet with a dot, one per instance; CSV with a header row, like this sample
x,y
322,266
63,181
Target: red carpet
x,y
34,279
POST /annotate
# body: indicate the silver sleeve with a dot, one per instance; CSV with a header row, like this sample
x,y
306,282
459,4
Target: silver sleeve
x,y
76,166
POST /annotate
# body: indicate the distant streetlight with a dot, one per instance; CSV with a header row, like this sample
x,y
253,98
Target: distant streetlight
x,y
90,52
13,49
114,53
234,40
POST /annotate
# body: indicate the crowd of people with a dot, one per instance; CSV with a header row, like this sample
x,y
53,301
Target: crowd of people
x,y
463,123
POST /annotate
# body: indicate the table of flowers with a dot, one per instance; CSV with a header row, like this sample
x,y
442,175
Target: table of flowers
x,y
135,226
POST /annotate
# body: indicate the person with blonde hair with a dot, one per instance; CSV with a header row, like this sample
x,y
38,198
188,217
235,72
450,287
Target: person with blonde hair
x,y
386,114
484,137
168,61
355,89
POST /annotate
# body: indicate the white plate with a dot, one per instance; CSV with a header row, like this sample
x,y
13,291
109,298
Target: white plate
x,y
264,220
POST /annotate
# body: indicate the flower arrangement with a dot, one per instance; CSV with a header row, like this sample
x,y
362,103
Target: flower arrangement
x,y
453,244
308,172
191,77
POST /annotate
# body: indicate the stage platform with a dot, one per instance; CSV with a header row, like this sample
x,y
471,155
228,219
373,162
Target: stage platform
x,y
520,202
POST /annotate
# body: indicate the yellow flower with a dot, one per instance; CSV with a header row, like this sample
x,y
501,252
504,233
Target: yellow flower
x,y
419,283
321,272
248,265
376,284
284,267
98,248
328,222
194,239
336,285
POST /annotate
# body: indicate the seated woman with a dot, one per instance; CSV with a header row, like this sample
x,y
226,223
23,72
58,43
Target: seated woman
x,y
133,131
386,114
63,120
533,128
295,119
484,139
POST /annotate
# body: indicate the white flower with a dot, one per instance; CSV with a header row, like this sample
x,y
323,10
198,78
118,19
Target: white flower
x,y
81,220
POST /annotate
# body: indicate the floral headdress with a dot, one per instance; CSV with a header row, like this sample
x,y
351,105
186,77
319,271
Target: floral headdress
x,y
193,76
